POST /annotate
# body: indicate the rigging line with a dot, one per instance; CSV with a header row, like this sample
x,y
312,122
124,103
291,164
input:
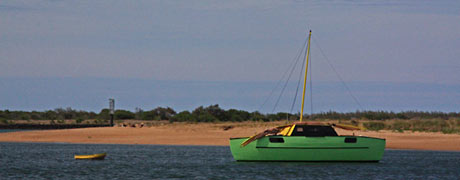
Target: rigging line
x,y
338,75
298,82
282,77
289,77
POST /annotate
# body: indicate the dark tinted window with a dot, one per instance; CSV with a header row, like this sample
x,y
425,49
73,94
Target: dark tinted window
x,y
313,131
276,140
350,140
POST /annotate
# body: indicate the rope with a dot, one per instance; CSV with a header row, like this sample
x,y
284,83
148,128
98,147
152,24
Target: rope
x,y
294,60
338,75
299,80
289,77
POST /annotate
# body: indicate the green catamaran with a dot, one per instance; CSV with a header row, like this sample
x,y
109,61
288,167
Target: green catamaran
x,y
307,141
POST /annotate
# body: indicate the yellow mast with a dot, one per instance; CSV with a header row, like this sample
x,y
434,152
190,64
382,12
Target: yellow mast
x,y
305,80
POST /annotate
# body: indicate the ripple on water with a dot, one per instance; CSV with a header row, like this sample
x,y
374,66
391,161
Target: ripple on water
x,y
55,161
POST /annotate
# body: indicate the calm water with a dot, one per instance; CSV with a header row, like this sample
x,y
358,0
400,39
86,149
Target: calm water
x,y
14,130
52,161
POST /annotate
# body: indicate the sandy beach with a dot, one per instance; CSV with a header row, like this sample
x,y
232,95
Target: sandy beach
x,y
215,134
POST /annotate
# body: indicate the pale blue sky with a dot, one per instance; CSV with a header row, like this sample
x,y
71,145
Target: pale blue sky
x,y
395,55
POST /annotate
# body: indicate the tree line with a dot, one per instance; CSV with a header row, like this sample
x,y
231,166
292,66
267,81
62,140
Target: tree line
x,y
214,113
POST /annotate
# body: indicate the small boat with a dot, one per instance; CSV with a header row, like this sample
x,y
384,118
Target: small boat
x,y
307,141
91,156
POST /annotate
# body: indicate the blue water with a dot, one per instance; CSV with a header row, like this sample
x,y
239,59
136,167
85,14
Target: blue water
x,y
55,161
14,130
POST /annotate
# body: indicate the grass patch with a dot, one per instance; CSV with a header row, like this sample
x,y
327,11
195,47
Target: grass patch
x,y
374,126
446,126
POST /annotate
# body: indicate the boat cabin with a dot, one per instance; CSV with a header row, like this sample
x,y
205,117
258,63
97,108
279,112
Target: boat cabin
x,y
309,131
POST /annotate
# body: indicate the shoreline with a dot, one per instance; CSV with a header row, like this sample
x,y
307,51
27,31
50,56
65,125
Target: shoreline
x,y
390,149
214,134
49,126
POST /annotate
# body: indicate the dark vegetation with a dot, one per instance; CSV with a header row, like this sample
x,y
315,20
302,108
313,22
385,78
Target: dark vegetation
x,y
372,120
422,125
214,113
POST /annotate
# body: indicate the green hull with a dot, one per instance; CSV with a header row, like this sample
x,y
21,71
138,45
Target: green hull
x,y
301,148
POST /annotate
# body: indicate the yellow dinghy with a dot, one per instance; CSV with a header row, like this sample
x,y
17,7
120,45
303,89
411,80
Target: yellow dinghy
x,y
92,156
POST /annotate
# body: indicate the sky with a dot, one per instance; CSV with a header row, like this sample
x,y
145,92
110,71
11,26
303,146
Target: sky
x,y
393,55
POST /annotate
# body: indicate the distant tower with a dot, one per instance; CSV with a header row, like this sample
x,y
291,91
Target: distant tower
x,y
112,110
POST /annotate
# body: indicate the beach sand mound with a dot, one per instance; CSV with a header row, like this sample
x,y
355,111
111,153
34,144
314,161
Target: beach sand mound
x,y
217,134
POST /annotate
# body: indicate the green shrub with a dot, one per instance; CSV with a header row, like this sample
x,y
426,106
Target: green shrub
x,y
4,121
25,116
206,117
149,115
236,118
401,125
104,114
354,123
79,120
100,121
374,126
124,114
184,116
159,113
449,131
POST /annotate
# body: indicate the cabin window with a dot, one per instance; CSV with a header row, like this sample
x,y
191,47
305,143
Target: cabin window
x,y
299,129
276,140
350,140
313,131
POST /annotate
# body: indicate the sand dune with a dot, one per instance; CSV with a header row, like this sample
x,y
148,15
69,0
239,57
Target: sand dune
x,y
214,134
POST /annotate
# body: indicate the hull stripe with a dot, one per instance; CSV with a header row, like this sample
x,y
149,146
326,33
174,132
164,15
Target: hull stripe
x,y
312,147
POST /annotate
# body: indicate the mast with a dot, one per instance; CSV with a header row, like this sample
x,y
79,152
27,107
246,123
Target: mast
x,y
305,80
